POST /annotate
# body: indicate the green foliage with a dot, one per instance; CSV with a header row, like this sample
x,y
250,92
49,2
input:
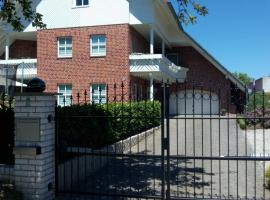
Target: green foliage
x,y
8,192
267,178
14,12
246,80
7,135
242,123
258,100
188,11
96,126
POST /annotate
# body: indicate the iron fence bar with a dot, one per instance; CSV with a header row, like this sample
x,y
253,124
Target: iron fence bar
x,y
211,143
264,168
185,99
177,128
246,166
167,107
57,154
219,143
163,195
202,140
228,139
194,145
255,146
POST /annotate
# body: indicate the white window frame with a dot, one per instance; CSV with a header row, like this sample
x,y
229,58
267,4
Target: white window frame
x,y
65,46
81,6
65,94
98,45
98,95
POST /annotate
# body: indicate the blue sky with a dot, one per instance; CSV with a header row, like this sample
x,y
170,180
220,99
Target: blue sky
x,y
237,33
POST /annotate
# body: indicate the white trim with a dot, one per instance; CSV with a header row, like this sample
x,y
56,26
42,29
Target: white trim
x,y
58,46
18,61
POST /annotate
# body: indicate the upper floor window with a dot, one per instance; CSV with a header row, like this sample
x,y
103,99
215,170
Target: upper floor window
x,y
173,57
98,45
79,3
64,47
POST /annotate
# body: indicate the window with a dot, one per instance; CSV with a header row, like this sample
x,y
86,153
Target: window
x,y
173,57
65,47
80,3
98,45
64,99
99,92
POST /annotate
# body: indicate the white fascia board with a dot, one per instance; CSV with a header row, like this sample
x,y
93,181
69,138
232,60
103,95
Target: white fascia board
x,y
18,61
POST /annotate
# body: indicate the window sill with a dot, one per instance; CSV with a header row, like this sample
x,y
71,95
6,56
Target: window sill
x,y
76,7
97,55
64,57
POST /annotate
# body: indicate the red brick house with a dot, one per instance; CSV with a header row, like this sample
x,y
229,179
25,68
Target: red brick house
x,y
92,44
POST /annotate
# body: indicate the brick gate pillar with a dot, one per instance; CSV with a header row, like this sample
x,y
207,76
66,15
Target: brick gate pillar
x,y
34,148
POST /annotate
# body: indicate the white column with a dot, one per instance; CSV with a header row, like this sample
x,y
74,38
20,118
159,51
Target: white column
x,y
7,48
163,48
151,95
152,40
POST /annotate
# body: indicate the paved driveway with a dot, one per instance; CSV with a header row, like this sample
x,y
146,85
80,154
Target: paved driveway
x,y
215,137
191,177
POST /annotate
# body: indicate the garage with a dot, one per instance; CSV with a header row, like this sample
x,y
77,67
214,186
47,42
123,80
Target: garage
x,y
194,102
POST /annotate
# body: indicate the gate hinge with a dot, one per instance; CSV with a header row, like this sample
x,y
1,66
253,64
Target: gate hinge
x,y
165,143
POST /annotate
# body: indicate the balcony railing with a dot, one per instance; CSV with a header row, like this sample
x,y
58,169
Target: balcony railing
x,y
156,65
26,68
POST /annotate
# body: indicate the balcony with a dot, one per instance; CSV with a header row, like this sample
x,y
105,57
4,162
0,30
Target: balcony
x,y
156,66
26,68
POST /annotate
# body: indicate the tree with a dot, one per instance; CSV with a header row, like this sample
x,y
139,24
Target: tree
x,y
188,10
243,77
12,11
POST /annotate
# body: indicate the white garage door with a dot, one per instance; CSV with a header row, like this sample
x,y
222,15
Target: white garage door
x,y
196,102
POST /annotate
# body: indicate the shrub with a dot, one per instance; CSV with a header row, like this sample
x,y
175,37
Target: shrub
x,y
259,118
6,136
8,191
96,126
242,123
267,178
257,99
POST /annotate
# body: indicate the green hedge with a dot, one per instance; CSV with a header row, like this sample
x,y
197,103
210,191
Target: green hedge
x,y
257,99
9,192
96,126
6,136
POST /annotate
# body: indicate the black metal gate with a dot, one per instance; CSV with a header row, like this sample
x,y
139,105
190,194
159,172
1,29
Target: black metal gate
x,y
219,151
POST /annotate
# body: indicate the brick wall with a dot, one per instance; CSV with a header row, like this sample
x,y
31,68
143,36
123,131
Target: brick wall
x,y
82,70
137,42
22,49
204,74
